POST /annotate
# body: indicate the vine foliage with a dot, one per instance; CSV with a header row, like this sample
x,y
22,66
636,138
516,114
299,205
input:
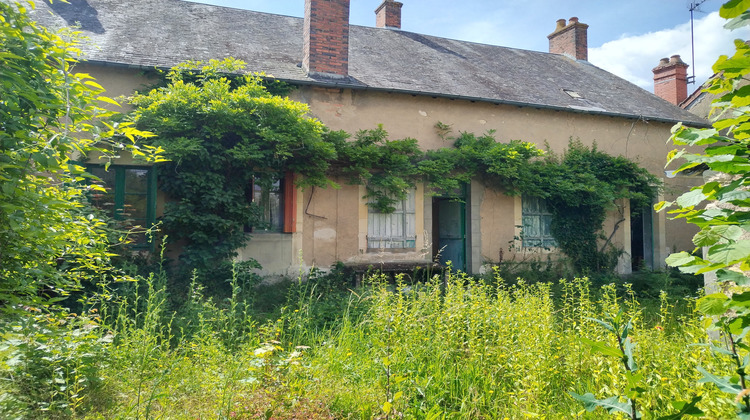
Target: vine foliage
x,y
580,187
223,133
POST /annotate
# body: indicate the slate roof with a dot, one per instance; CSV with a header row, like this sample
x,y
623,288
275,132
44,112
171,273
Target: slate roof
x,y
162,33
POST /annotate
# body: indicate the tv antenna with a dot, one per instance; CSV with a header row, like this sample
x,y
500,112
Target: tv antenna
x,y
694,5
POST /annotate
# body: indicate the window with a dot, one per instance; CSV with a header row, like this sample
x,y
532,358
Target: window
x,y
536,223
270,200
129,198
277,204
393,230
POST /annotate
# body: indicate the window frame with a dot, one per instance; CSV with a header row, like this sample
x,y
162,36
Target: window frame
x,y
287,206
120,193
407,239
542,240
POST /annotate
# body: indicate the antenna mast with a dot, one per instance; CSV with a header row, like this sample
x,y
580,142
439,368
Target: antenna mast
x,y
693,6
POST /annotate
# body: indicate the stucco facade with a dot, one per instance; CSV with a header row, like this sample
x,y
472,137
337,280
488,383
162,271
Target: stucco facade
x,y
333,222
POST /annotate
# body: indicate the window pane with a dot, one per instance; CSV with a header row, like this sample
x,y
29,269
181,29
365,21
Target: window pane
x,y
136,181
127,198
269,200
135,207
104,200
537,220
546,222
393,230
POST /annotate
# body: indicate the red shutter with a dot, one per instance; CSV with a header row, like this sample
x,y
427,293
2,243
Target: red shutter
x,y
290,204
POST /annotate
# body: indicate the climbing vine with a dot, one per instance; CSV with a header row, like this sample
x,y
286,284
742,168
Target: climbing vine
x,y
580,187
223,133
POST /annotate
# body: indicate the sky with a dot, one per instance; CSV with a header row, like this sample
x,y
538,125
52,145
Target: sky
x,y
625,37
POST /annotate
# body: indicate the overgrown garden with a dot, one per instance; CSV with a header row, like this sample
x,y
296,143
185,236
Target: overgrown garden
x,y
83,339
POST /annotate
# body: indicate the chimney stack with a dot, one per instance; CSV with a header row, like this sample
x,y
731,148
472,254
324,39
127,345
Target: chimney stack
x,y
326,38
388,15
570,39
670,79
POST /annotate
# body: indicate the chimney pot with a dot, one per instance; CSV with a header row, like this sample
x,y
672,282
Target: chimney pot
x,y
388,14
675,59
670,79
570,40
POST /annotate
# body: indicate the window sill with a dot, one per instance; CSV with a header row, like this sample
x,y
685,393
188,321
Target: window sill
x,y
391,250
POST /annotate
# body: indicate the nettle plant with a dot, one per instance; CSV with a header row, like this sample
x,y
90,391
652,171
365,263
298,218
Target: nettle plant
x,y
620,328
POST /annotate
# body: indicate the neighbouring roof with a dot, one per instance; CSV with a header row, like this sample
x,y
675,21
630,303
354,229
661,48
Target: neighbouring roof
x,y
163,33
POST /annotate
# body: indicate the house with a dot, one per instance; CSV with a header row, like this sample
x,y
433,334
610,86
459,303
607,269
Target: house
x,y
356,77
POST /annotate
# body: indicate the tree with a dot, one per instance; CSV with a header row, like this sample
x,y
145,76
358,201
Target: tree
x,y
49,244
721,209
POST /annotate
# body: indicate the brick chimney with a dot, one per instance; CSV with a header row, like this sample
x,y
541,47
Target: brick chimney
x,y
326,38
670,79
570,39
388,15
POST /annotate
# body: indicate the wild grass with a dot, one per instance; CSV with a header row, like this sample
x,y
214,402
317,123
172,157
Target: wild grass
x,y
455,347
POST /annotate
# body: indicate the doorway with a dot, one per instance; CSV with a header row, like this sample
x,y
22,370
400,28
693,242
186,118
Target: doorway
x,y
449,231
642,240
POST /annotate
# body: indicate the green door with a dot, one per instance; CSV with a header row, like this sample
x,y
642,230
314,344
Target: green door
x,y
451,232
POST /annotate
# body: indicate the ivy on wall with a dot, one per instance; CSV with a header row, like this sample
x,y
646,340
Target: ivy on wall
x,y
221,134
580,187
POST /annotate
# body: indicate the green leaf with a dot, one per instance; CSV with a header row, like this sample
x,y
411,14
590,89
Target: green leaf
x,y
714,234
634,379
662,204
606,325
611,404
719,350
680,259
733,276
691,198
733,66
713,304
728,254
734,8
684,409
387,406
722,382
739,21
108,100
602,348
741,97
739,325
629,346
709,187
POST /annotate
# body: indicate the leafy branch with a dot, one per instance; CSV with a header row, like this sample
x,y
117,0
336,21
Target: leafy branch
x,y
620,329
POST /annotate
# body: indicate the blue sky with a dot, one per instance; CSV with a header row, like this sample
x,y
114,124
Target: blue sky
x,y
626,37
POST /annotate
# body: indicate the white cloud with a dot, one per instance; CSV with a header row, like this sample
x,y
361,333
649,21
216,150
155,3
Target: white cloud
x,y
633,57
